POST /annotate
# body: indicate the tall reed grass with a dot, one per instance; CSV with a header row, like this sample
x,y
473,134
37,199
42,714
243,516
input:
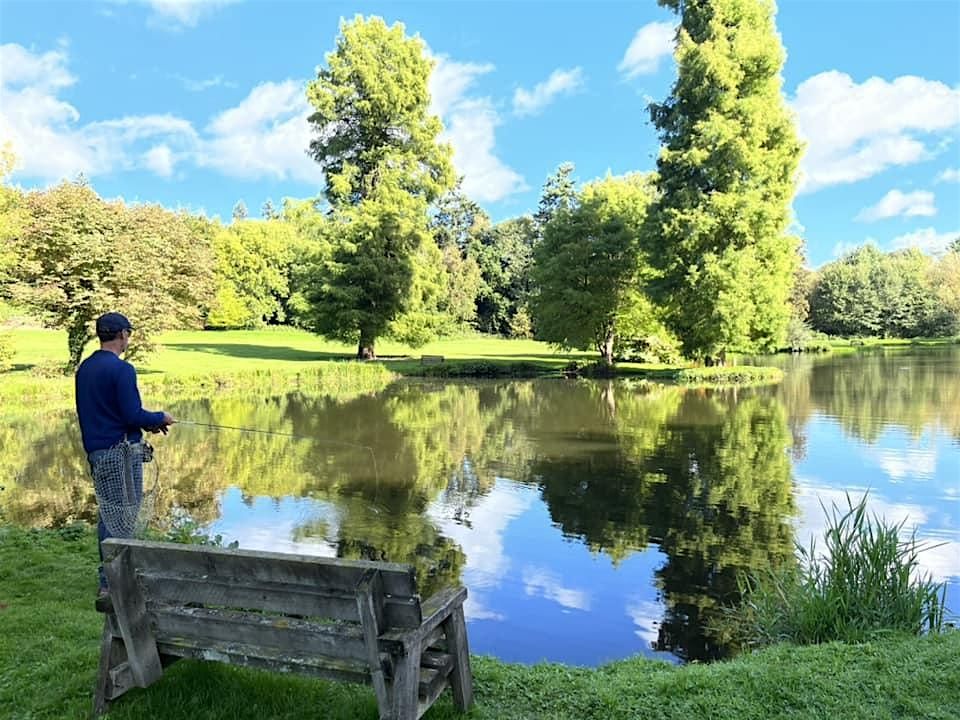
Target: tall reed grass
x,y
865,584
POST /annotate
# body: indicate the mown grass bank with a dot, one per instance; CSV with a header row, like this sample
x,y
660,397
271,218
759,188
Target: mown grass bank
x,y
278,360
49,638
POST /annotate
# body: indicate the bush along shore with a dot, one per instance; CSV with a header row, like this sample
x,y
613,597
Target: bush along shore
x,y
49,644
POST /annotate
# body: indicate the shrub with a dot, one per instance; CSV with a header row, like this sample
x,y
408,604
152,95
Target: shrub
x,y
733,375
865,585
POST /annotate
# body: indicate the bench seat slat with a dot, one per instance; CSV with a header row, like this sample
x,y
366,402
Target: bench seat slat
x,y
235,654
272,632
177,589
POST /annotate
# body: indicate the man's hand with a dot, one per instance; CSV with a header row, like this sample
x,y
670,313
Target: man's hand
x,y
164,424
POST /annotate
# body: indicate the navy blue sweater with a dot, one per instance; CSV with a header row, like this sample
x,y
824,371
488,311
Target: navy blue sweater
x,y
108,402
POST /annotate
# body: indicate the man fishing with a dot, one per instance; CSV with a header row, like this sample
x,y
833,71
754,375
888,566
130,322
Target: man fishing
x,y
111,419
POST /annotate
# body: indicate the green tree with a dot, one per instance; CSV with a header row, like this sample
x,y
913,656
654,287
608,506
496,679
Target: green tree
x,y
254,261
848,294
268,211
455,223
727,177
163,271
505,256
379,147
559,193
11,213
590,272
945,281
867,292
11,222
65,259
457,220
79,256
911,309
240,211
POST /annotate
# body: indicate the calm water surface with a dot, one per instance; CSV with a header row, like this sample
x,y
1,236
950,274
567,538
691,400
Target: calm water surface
x,y
590,521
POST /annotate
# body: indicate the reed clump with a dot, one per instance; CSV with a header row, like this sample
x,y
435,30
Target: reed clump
x,y
865,584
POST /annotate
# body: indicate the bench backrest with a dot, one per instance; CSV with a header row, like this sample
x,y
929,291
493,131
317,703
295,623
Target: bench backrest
x,y
176,575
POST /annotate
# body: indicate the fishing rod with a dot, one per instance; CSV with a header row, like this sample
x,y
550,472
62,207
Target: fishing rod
x,y
277,433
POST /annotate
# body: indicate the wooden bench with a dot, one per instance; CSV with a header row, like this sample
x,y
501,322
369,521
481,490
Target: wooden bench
x,y
339,619
431,359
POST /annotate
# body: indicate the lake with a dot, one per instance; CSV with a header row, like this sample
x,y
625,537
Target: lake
x,y
590,520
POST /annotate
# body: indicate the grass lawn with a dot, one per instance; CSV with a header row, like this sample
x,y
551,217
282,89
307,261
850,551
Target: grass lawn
x,y
190,352
276,359
49,644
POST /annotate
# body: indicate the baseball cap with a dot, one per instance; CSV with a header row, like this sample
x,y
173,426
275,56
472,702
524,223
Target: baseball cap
x,y
112,322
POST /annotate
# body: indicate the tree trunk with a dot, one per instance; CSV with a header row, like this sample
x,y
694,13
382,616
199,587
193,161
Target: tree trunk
x,y
606,349
365,349
609,398
77,337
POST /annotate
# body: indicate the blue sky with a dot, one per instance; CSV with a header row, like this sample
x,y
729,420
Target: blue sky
x,y
200,104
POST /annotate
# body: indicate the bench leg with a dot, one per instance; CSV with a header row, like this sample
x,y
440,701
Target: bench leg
x,y
112,654
405,703
461,677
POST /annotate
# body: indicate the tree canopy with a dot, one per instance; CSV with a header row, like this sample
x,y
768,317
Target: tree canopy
x,y
378,144
726,180
590,270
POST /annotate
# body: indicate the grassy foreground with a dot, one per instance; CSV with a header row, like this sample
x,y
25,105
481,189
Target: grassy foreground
x,y
49,637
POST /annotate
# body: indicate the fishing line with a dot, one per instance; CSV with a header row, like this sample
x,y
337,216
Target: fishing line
x,y
257,431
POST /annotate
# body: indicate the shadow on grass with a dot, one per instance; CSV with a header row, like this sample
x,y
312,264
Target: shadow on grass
x,y
259,352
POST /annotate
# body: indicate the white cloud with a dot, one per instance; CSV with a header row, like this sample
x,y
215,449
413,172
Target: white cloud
x,y
652,42
160,160
450,81
928,240
201,85
47,136
266,135
543,582
531,102
854,131
175,14
646,616
482,541
21,68
909,463
471,124
949,175
919,203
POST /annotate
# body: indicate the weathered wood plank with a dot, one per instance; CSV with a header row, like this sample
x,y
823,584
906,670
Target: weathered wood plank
x,y
112,655
434,669
431,359
405,703
370,606
230,564
261,658
334,640
461,677
177,589
130,610
432,638
436,660
435,611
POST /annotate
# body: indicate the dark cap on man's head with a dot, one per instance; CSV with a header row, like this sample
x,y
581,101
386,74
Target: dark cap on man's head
x,y
111,323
